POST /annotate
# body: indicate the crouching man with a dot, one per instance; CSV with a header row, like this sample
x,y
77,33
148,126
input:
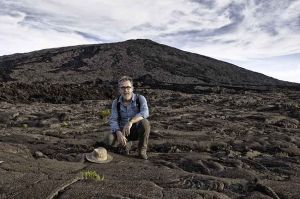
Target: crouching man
x,y
128,119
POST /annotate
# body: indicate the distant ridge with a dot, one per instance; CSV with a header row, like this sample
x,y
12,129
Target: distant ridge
x,y
148,62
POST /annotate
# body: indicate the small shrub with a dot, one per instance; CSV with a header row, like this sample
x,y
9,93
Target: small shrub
x,y
104,113
92,175
25,126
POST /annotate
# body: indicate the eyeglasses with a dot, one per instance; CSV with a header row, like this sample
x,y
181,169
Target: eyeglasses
x,y
125,87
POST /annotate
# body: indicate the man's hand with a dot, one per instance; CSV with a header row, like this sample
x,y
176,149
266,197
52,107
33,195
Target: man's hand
x,y
121,138
126,129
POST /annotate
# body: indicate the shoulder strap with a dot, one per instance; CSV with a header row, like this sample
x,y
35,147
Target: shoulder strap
x,y
138,104
119,109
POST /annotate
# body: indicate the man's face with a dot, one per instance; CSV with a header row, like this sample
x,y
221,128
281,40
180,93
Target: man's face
x,y
126,90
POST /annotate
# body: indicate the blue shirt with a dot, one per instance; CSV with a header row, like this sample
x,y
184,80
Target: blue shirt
x,y
127,112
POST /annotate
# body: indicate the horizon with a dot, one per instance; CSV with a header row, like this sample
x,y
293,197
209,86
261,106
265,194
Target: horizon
x,y
259,36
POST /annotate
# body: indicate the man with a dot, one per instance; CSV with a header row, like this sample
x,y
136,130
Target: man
x,y
128,119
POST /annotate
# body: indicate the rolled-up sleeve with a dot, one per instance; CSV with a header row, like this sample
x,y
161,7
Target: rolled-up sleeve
x,y
113,120
144,112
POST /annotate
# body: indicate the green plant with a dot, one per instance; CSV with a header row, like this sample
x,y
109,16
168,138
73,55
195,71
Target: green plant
x,y
25,126
104,113
91,175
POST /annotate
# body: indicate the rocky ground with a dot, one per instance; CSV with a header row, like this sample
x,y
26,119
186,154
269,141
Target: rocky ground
x,y
238,144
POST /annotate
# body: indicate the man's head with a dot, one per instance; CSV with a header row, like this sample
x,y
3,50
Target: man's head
x,y
125,85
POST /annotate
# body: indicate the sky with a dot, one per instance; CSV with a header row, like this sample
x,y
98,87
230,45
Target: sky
x,y
259,35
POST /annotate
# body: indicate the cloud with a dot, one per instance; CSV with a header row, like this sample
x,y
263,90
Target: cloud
x,y
205,3
228,29
285,67
291,75
88,36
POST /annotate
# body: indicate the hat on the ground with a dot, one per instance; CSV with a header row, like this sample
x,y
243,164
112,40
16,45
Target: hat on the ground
x,y
99,155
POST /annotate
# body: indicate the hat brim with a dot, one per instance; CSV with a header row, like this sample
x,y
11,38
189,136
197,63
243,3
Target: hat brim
x,y
91,158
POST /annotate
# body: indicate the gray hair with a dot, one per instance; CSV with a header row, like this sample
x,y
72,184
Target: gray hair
x,y
125,78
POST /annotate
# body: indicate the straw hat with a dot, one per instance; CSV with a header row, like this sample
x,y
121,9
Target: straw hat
x,y
99,155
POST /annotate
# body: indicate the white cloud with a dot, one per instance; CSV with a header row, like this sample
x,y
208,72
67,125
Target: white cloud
x,y
288,75
16,38
282,67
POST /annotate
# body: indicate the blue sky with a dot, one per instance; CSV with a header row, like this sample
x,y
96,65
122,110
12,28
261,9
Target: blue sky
x,y
260,35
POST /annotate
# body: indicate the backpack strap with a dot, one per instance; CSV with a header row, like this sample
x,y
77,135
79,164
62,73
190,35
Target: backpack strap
x,y
119,109
138,104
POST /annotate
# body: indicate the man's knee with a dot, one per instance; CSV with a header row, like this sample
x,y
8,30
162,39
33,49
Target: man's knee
x,y
110,139
145,123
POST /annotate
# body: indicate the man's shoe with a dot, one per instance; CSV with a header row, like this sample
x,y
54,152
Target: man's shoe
x,y
128,148
143,154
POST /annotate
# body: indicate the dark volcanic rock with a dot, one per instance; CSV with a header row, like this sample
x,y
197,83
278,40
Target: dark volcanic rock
x,y
88,71
218,131
213,145
137,58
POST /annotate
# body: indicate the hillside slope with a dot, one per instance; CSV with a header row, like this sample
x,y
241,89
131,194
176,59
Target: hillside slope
x,y
90,71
